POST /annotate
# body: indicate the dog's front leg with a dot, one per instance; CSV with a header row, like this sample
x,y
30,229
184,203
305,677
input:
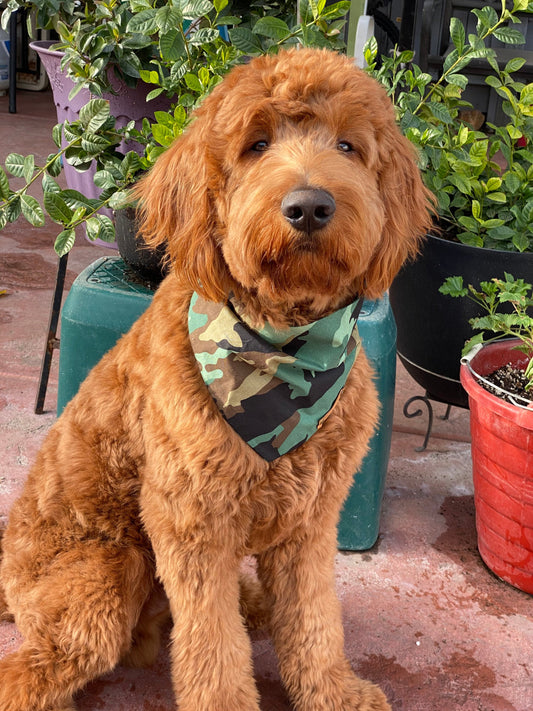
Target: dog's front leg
x,y
211,650
298,579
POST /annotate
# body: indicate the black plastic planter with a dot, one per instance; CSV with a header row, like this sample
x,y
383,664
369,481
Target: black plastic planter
x,y
432,328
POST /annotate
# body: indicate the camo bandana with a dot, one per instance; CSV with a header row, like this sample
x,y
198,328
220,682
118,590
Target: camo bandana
x,y
274,387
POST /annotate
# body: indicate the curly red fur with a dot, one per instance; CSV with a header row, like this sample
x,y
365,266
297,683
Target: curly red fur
x,y
142,479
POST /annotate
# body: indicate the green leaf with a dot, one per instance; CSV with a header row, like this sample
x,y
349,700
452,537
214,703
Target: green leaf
x,y
491,224
93,143
440,111
513,132
460,183
493,184
272,27
335,10
31,210
526,95
493,81
457,80
149,77
196,8
119,200
154,93
131,65
29,168
94,114
245,40
15,164
168,18
162,134
193,82
107,229
469,222
220,5
453,286
204,36
54,166
476,209
57,132
527,211
520,241
57,208
457,33
171,45
64,242
92,227
13,210
104,179
497,197
4,185
75,199
144,22
509,35
487,17
514,64
49,184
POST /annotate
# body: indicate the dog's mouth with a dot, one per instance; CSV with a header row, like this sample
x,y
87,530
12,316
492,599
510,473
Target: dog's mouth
x,y
307,244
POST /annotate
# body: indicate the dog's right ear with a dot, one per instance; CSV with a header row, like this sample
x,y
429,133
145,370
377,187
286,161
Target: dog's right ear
x,y
176,208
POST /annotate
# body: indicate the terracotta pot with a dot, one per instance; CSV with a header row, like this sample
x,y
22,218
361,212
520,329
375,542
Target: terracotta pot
x,y
502,460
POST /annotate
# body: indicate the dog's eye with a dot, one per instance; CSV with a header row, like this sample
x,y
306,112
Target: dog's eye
x,y
345,147
260,146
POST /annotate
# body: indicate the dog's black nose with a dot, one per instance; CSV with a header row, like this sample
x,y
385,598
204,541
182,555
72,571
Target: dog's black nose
x,y
308,209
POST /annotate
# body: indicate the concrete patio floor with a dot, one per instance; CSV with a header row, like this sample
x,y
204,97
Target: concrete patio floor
x,y
423,616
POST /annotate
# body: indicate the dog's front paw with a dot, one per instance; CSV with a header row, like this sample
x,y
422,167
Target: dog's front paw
x,y
343,691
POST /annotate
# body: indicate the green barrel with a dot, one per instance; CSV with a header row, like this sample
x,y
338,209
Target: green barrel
x,y
105,300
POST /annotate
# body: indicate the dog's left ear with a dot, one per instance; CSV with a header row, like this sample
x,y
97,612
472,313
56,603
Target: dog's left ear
x,y
408,209
176,206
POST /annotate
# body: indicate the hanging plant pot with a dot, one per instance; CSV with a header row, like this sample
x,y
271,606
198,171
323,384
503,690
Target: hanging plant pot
x,y
502,460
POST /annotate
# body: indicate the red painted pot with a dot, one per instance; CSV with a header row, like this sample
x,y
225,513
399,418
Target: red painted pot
x,y
502,459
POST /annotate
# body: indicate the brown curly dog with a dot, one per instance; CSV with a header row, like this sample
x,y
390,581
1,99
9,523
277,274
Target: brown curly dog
x,y
293,193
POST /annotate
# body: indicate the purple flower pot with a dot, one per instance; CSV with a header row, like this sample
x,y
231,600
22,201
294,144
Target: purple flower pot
x,y
126,105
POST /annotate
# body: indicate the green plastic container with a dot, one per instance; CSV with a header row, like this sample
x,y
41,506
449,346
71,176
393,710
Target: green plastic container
x,y
102,305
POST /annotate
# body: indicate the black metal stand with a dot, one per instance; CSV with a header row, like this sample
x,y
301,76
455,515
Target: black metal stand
x,y
52,342
425,399
13,63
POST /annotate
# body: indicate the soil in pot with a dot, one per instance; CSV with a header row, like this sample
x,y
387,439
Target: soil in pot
x,y
510,379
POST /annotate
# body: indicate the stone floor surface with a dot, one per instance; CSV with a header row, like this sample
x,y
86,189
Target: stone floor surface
x,y
423,616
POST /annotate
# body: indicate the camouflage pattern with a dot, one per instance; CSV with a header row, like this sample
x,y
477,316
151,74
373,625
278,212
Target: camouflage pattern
x,y
273,387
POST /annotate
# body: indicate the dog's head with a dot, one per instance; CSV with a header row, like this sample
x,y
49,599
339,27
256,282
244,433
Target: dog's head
x,y
292,188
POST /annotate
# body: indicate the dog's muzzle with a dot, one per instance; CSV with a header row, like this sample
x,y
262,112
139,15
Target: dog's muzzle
x,y
308,209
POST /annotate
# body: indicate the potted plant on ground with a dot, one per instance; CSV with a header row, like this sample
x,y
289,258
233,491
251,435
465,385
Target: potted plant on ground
x,y
483,183
498,377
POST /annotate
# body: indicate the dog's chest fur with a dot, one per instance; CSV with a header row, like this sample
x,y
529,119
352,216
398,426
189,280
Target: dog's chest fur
x,y
213,473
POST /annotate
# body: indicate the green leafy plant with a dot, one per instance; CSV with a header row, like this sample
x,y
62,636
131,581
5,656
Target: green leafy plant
x,y
491,296
483,180
182,48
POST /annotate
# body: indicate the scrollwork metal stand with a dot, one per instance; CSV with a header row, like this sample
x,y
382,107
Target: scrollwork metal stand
x,y
416,413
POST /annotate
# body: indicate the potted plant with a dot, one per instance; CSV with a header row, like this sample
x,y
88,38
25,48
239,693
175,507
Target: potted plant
x,y
483,184
176,48
498,377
